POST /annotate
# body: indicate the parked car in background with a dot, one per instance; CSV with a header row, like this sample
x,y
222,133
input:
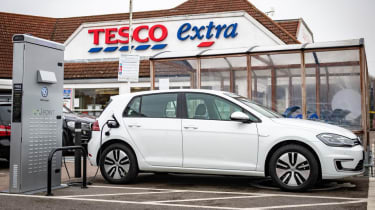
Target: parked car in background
x,y
213,132
5,117
69,120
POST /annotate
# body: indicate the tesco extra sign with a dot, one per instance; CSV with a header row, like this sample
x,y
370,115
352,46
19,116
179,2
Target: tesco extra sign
x,y
143,34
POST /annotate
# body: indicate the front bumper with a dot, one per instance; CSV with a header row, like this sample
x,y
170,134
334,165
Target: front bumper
x,y
340,162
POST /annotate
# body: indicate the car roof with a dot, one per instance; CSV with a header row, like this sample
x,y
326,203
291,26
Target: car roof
x,y
131,95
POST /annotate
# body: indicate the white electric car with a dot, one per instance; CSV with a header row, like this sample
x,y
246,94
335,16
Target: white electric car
x,y
212,132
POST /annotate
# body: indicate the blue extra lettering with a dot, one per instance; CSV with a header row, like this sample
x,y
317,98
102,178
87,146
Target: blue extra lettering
x,y
209,30
233,33
197,32
183,29
187,31
219,28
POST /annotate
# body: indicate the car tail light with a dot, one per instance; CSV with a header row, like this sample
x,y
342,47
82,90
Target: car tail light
x,y
95,126
4,130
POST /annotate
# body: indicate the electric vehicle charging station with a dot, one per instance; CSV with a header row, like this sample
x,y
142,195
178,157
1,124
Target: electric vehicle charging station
x,y
38,77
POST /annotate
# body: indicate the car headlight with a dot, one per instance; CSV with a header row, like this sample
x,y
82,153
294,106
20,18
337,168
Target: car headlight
x,y
71,124
335,140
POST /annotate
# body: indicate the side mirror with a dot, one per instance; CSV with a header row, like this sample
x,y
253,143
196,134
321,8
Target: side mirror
x,y
112,124
240,117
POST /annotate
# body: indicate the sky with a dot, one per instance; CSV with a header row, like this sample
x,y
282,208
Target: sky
x,y
329,20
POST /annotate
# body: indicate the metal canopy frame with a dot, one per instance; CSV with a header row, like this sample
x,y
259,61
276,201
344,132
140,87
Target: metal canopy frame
x,y
255,52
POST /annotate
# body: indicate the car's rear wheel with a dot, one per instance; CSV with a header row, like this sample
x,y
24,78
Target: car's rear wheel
x,y
294,168
118,164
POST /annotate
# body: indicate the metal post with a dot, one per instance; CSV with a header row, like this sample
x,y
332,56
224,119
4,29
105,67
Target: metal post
x,y
49,172
249,78
130,34
130,25
77,153
303,85
199,73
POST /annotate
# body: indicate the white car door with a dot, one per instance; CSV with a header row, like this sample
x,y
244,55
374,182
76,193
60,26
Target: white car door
x,y
152,123
211,140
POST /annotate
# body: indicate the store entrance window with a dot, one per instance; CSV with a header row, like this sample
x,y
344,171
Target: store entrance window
x,y
93,101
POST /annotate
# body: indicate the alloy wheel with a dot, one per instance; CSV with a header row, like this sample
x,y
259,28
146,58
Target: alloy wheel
x,y
116,164
293,168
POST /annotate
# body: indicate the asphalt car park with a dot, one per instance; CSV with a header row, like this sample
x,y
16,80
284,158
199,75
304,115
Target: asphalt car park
x,y
185,191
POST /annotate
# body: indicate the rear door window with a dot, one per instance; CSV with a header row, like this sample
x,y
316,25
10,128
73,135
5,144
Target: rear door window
x,y
153,106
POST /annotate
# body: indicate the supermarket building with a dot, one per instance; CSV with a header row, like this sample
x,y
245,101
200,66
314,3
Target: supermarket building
x,y
94,43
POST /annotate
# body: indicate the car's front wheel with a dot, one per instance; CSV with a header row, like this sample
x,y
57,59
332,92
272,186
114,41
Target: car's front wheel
x,y
294,168
118,164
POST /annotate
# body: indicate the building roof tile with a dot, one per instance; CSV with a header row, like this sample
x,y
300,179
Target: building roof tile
x,y
290,25
99,70
60,29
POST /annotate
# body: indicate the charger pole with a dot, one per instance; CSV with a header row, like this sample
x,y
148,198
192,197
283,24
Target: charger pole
x,y
77,153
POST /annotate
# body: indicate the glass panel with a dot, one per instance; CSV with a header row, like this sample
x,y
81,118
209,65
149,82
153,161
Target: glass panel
x,y
159,105
277,82
93,101
176,74
239,67
261,80
335,77
215,74
312,93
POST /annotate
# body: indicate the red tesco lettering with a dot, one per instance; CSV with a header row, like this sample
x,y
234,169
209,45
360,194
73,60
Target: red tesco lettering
x,y
123,34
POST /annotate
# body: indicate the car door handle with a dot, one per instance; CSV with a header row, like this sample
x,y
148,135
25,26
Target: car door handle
x,y
135,125
190,127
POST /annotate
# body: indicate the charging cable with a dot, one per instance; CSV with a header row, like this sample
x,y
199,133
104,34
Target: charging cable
x,y
89,182
100,158
100,152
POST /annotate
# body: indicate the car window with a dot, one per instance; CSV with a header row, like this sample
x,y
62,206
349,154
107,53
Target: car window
x,y
210,107
199,106
132,110
5,114
153,106
159,105
225,108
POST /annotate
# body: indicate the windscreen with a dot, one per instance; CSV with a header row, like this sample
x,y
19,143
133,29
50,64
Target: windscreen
x,y
257,107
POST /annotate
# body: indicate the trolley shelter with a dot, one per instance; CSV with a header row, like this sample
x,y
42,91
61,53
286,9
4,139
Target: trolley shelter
x,y
325,81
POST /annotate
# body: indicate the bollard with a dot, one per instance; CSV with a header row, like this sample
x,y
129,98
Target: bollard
x,y
49,167
77,153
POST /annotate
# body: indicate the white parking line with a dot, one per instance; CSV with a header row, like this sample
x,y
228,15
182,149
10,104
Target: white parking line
x,y
208,199
165,203
307,205
116,194
371,194
236,193
195,191
123,202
